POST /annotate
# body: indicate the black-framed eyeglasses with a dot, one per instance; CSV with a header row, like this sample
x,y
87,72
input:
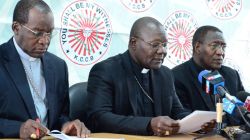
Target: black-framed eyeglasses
x,y
155,45
40,34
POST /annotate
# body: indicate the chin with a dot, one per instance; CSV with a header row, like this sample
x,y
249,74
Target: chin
x,y
155,66
217,67
37,55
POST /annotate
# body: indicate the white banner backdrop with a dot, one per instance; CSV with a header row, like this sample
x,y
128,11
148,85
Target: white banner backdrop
x,y
90,31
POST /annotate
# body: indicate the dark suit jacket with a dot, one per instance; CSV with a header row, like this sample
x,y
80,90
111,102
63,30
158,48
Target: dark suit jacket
x,y
112,92
16,103
189,89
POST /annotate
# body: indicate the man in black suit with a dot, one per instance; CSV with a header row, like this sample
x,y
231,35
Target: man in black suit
x,y
34,83
208,53
122,100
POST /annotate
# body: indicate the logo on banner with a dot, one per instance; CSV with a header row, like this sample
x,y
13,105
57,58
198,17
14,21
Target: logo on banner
x,y
138,5
86,32
180,27
224,9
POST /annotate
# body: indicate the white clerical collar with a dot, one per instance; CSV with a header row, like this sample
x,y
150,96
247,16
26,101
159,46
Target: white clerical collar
x,y
144,70
22,54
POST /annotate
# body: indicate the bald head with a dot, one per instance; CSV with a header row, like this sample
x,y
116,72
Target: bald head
x,y
22,9
146,43
142,23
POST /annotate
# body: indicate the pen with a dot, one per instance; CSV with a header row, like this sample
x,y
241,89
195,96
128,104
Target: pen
x,y
37,129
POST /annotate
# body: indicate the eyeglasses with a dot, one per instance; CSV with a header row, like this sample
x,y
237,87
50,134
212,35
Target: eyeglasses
x,y
155,45
217,45
41,34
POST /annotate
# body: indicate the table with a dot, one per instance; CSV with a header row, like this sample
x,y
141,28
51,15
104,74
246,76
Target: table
x,y
136,137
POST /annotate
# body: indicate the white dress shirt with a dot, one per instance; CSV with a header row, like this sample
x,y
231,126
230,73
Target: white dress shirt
x,y
35,77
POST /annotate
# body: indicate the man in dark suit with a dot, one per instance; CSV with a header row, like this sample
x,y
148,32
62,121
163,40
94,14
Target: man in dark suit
x,y
122,100
208,53
34,82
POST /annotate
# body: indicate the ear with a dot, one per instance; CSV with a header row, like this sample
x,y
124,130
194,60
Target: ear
x,y
16,27
132,43
197,48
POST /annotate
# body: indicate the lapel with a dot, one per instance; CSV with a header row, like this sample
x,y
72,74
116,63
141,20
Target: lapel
x,y
14,66
206,98
156,91
50,86
130,79
131,91
131,82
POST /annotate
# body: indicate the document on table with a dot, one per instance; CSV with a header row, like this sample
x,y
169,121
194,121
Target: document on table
x,y
195,120
59,135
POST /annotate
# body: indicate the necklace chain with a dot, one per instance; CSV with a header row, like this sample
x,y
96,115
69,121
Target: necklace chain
x,y
143,90
39,96
33,85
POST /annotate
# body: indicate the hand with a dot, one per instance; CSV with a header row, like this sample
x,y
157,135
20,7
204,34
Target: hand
x,y
29,128
76,128
209,126
164,125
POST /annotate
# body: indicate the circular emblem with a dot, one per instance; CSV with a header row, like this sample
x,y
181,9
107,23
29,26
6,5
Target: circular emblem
x,y
180,27
224,9
85,33
138,5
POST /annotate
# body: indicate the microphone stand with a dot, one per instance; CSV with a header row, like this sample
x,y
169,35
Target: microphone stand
x,y
219,114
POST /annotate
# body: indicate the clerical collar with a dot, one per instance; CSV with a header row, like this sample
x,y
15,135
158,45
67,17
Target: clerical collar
x,y
137,69
144,71
23,54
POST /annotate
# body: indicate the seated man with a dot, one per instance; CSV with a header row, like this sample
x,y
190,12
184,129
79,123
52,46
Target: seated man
x,y
132,92
208,53
34,83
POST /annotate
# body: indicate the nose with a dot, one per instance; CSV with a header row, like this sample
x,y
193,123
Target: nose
x,y
45,39
162,50
220,50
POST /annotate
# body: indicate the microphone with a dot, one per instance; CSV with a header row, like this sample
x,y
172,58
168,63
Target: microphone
x,y
244,96
213,83
224,93
210,81
229,106
244,130
205,85
202,73
229,101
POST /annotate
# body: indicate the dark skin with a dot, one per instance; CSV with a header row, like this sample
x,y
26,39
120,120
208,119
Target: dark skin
x,y
30,44
161,124
143,53
152,58
209,126
210,53
36,47
148,57
29,127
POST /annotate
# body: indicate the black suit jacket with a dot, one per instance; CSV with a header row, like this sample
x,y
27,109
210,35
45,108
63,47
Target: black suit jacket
x,y
189,89
16,102
112,92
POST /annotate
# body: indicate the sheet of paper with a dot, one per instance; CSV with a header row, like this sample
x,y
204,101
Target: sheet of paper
x,y
195,120
59,135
